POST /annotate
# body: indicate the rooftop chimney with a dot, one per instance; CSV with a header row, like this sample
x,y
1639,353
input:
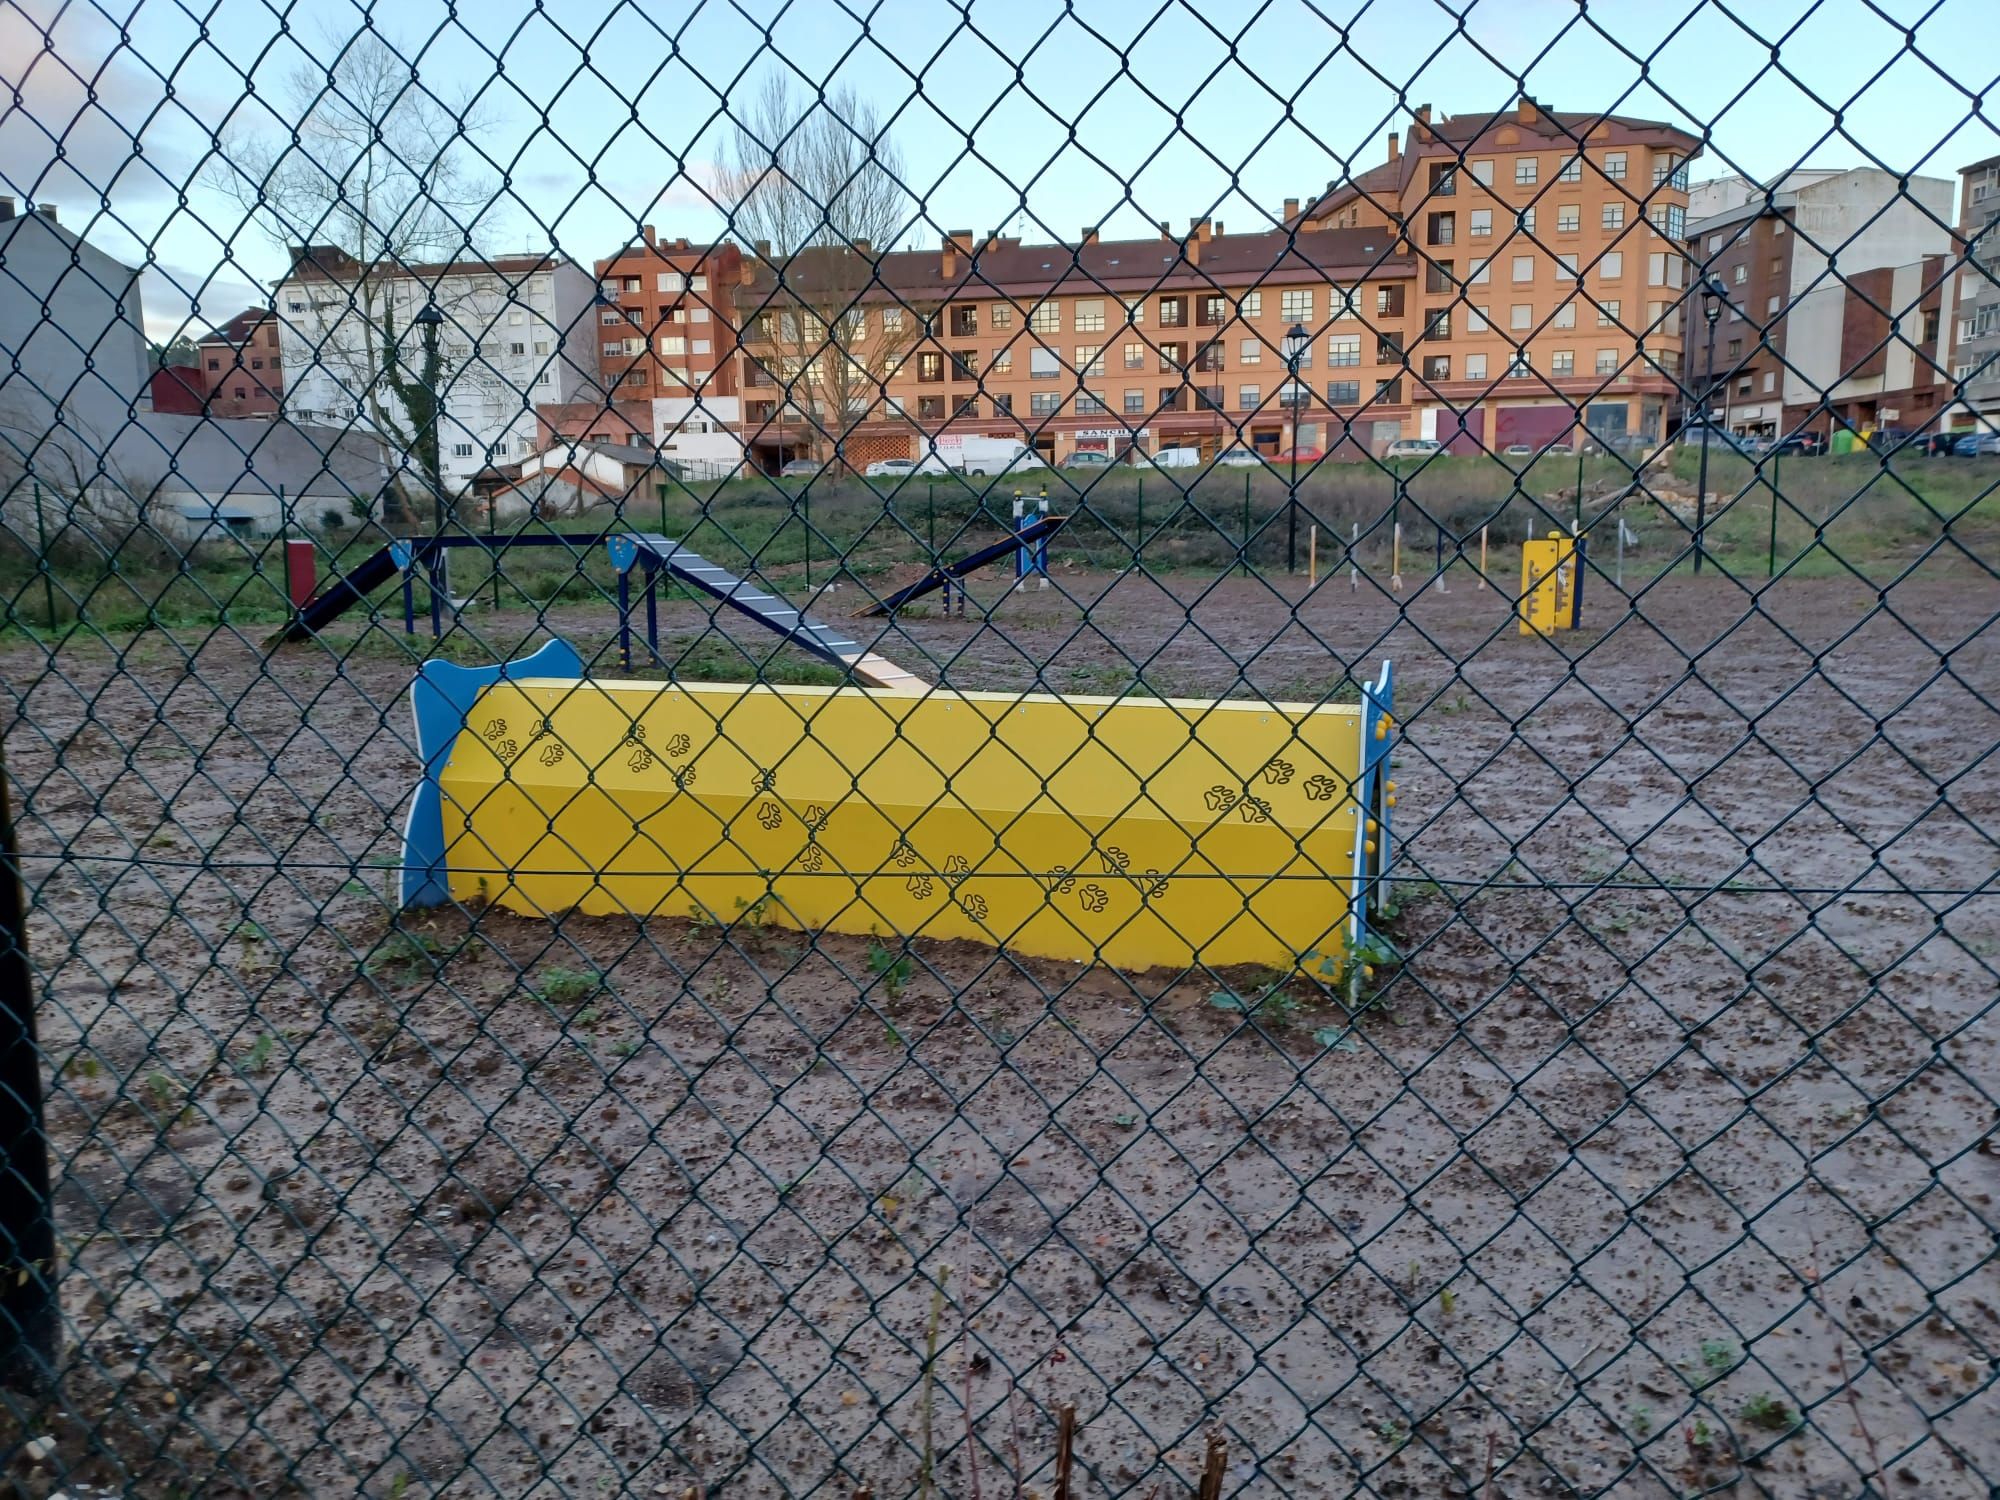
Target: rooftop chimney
x,y
1526,112
6,209
864,246
1395,146
648,232
1165,232
1198,229
47,211
1291,209
1089,235
1421,130
957,242
762,247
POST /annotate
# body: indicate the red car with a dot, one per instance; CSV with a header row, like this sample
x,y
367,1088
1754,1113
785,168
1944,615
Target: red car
x,y
1285,457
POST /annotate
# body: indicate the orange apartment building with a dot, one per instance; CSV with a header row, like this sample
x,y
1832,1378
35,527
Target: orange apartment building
x,y
666,324
1173,341
1553,277
240,366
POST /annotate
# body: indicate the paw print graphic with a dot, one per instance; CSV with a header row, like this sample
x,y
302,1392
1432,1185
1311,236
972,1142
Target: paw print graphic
x,y
815,817
1219,798
1254,810
1115,861
1321,788
506,749
921,886
1279,772
1156,885
763,780
684,777
494,729
1061,880
956,868
975,907
537,729
552,755
1093,898
641,759
813,858
635,734
770,815
679,745
903,855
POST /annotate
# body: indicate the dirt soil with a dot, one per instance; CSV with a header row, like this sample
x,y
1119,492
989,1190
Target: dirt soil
x,y
1664,1163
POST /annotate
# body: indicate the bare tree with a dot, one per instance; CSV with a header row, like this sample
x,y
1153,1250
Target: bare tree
x,y
361,173
817,180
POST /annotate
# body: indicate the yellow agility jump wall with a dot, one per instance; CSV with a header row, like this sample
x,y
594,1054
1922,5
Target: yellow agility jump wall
x,y
1126,831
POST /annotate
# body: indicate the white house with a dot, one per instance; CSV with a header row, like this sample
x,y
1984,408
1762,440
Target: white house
x,y
701,434
516,333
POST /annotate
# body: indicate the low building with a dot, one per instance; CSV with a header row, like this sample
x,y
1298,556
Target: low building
x,y
1832,307
570,477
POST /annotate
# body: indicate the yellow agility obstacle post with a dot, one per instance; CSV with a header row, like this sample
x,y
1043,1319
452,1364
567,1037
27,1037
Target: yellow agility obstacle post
x,y
1551,585
1125,831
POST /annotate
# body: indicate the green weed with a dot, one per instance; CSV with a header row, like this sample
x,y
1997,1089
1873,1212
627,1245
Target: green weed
x,y
891,968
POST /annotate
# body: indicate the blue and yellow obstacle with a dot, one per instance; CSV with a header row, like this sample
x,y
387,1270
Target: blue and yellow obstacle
x,y
1134,832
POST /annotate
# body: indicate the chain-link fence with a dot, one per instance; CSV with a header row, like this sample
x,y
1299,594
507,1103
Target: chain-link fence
x,y
676,831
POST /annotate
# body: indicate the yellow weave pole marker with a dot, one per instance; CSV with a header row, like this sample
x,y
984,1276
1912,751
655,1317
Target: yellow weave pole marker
x,y
1107,830
1548,578
1396,560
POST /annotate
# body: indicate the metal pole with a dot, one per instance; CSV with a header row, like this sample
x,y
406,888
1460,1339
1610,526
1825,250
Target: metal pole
x,y
28,1310
42,559
1292,503
806,505
1771,557
1139,545
1243,556
1701,482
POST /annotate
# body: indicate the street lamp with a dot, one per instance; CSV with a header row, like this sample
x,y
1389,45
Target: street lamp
x,y
1713,295
429,320
1296,342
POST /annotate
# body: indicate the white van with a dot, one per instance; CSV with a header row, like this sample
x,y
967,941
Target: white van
x,y
1166,458
987,455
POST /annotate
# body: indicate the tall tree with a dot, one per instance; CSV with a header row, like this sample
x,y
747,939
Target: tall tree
x,y
361,172
817,179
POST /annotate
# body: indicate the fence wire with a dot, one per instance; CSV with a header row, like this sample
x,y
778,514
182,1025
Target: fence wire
x,y
879,1000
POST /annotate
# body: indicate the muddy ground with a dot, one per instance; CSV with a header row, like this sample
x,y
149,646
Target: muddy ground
x,y
1664,1164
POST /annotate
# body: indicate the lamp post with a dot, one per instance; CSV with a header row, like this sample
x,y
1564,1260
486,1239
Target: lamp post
x,y
1713,295
429,320
1296,340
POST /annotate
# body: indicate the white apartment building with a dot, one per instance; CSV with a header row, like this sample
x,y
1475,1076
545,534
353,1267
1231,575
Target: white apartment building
x,y
700,433
517,332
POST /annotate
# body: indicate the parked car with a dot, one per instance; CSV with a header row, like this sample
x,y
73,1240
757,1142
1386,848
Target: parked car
x,y
1718,438
1284,458
1977,445
1166,458
891,468
1938,442
1412,448
1802,444
1901,440
1085,458
985,455
800,468
1239,457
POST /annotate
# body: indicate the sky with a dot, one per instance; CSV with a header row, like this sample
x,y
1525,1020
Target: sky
x,y
1032,116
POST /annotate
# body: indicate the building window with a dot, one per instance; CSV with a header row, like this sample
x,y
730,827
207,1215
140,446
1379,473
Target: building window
x,y
1174,398
1611,265
1478,319
1296,306
1173,312
1437,367
1172,357
1251,305
461,450
1565,316
1613,215
1343,349
1003,363
1526,170
1044,404
1771,382
1442,229
673,343
1521,315
1562,362
1519,365
1475,367
930,367
241,393
1135,356
1565,268
511,349
1043,364
1607,361
1930,318
1089,403
1343,392
1444,179
1135,403
1208,398
1250,351
1003,406
541,346
1089,360
1135,312
1000,315
1778,227
1438,277
1087,316
1248,397
1607,313
1526,219
1389,301
1569,218
1388,348
1212,311
1343,303
1524,268
1479,223
930,408
1046,318
1571,170
965,364
1614,165
1738,274
964,320
1482,272
892,320
1735,349
1208,358
1389,390
1437,325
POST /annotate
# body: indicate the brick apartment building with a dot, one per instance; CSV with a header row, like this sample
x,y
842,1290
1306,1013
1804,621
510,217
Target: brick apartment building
x,y
666,324
1971,309
1800,345
1548,246
241,367
1484,286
